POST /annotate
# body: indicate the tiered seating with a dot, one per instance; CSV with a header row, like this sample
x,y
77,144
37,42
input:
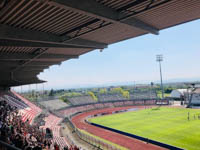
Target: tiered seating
x,y
72,110
33,106
53,104
108,105
99,105
30,112
128,103
18,130
150,102
90,107
148,94
27,110
52,122
139,102
79,100
69,111
14,102
81,108
110,97
116,104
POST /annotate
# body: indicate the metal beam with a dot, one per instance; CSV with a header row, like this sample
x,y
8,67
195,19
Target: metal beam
x,y
20,74
133,3
21,77
17,43
2,3
30,69
34,68
94,9
42,63
11,67
27,82
21,56
30,38
69,40
8,32
20,82
38,54
33,63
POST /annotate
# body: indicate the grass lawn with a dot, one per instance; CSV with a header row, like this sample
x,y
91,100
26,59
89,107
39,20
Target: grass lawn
x,y
167,125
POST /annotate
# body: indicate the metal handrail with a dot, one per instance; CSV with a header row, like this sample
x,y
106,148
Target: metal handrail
x,y
8,146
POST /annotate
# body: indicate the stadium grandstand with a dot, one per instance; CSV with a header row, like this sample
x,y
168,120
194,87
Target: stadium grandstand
x,y
79,100
110,97
53,104
36,34
147,94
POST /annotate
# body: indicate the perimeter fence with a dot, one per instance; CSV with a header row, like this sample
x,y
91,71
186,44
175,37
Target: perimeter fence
x,y
92,140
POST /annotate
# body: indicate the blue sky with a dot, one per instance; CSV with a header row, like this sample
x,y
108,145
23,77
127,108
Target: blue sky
x,y
133,60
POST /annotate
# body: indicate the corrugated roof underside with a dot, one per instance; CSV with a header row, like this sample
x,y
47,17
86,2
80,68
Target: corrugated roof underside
x,y
46,16
68,51
116,33
171,13
14,49
166,15
26,50
41,16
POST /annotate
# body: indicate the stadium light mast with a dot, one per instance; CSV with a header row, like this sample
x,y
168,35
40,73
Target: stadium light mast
x,y
159,58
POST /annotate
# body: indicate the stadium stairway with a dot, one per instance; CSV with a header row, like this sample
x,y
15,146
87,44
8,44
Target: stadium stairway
x,y
31,105
52,122
27,110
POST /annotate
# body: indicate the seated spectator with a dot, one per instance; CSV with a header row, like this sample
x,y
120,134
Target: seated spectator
x,y
20,134
56,147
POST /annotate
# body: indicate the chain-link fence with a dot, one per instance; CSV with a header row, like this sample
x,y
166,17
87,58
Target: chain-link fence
x,y
98,143
6,146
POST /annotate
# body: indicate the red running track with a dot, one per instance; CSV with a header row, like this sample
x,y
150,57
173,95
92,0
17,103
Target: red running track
x,y
130,143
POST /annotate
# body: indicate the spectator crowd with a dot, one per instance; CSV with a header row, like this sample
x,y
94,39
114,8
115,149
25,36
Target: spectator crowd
x,y
22,135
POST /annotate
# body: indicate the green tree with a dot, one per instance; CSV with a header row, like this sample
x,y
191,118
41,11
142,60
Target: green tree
x,y
117,90
51,93
103,91
93,96
126,94
64,99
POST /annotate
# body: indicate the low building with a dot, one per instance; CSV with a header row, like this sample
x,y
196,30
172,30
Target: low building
x,y
195,98
178,93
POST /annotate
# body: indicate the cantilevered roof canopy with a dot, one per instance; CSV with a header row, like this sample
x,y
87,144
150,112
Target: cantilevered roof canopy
x,y
35,34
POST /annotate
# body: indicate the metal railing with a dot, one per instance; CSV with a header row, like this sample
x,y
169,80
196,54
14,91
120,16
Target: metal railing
x,y
92,140
6,146
100,144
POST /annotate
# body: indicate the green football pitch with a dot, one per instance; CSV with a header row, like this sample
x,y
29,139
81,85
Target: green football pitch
x,y
165,124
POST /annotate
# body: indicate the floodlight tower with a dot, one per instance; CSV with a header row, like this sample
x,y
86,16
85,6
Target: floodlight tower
x,y
159,58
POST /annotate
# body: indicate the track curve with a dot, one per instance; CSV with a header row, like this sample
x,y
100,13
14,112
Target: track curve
x,y
122,140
